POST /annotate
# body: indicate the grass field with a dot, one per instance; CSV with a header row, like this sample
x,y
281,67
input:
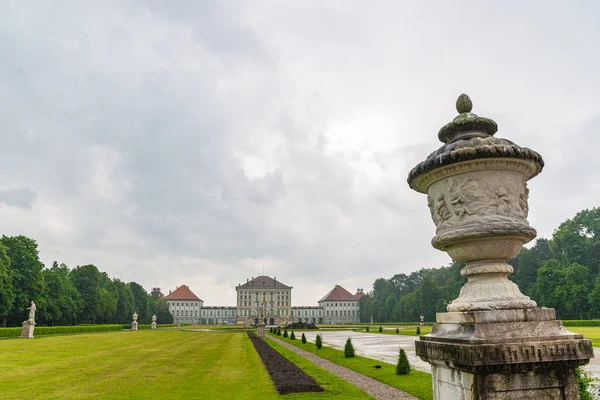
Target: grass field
x,y
416,383
162,364
589,332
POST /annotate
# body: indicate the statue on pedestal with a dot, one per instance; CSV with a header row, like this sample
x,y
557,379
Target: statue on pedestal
x,y
29,325
32,312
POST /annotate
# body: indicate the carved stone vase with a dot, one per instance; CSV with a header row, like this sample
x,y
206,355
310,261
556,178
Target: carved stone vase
x,y
494,342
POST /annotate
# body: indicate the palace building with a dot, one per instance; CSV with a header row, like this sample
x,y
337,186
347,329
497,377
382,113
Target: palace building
x,y
184,305
338,306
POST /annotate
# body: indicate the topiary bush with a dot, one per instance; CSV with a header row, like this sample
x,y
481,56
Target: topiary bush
x,y
292,336
278,331
349,349
303,339
403,366
418,330
397,330
367,329
380,329
285,334
319,341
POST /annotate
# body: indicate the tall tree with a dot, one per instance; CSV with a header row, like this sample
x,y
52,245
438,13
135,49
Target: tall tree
x,y
155,293
577,240
163,315
87,280
7,295
125,302
63,300
26,270
142,302
527,263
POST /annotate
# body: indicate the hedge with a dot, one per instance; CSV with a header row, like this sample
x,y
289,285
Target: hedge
x,y
61,330
581,322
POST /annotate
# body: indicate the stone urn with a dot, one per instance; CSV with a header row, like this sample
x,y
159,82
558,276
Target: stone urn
x,y
494,342
476,186
134,324
153,324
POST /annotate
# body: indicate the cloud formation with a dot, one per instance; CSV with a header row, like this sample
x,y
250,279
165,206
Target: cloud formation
x,y
205,143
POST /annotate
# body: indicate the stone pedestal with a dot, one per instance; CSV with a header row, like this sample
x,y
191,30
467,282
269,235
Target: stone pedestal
x,y
153,324
261,331
28,328
503,354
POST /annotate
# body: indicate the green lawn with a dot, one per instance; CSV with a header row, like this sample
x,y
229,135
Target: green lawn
x,y
161,364
416,383
589,332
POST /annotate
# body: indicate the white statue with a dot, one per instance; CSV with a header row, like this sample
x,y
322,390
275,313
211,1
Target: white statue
x,y
32,312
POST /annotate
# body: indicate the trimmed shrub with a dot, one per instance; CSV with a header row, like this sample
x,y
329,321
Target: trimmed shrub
x,y
349,349
367,330
418,330
303,339
285,334
302,325
380,329
292,336
278,331
398,330
319,341
403,366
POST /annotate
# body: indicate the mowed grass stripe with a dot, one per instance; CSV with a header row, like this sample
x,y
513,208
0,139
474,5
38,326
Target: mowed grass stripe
x,y
143,364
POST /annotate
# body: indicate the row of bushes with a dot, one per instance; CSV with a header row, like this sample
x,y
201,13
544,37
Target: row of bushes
x,y
57,330
60,330
582,322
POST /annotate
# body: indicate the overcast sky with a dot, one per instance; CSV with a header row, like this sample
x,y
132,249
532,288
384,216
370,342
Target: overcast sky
x,y
202,142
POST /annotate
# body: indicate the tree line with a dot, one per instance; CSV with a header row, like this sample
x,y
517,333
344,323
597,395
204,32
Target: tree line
x,y
561,273
64,296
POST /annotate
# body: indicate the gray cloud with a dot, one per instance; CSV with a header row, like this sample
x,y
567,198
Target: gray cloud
x,y
199,144
22,198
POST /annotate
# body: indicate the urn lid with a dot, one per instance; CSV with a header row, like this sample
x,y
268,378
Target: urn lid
x,y
471,137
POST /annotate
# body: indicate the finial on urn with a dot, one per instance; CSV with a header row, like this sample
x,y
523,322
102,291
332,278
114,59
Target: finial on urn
x,y
464,104
466,125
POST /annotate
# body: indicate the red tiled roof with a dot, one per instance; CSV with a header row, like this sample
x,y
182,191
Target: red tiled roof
x,y
182,293
338,293
264,282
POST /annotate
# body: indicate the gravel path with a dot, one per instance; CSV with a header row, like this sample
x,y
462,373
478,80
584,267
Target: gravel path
x,y
374,388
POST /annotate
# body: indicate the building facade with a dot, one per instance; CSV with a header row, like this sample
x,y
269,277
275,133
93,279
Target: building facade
x,y
223,315
268,297
340,306
268,294
308,314
184,305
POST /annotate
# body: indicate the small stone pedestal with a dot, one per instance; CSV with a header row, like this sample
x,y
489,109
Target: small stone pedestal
x,y
503,354
28,328
261,331
153,324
